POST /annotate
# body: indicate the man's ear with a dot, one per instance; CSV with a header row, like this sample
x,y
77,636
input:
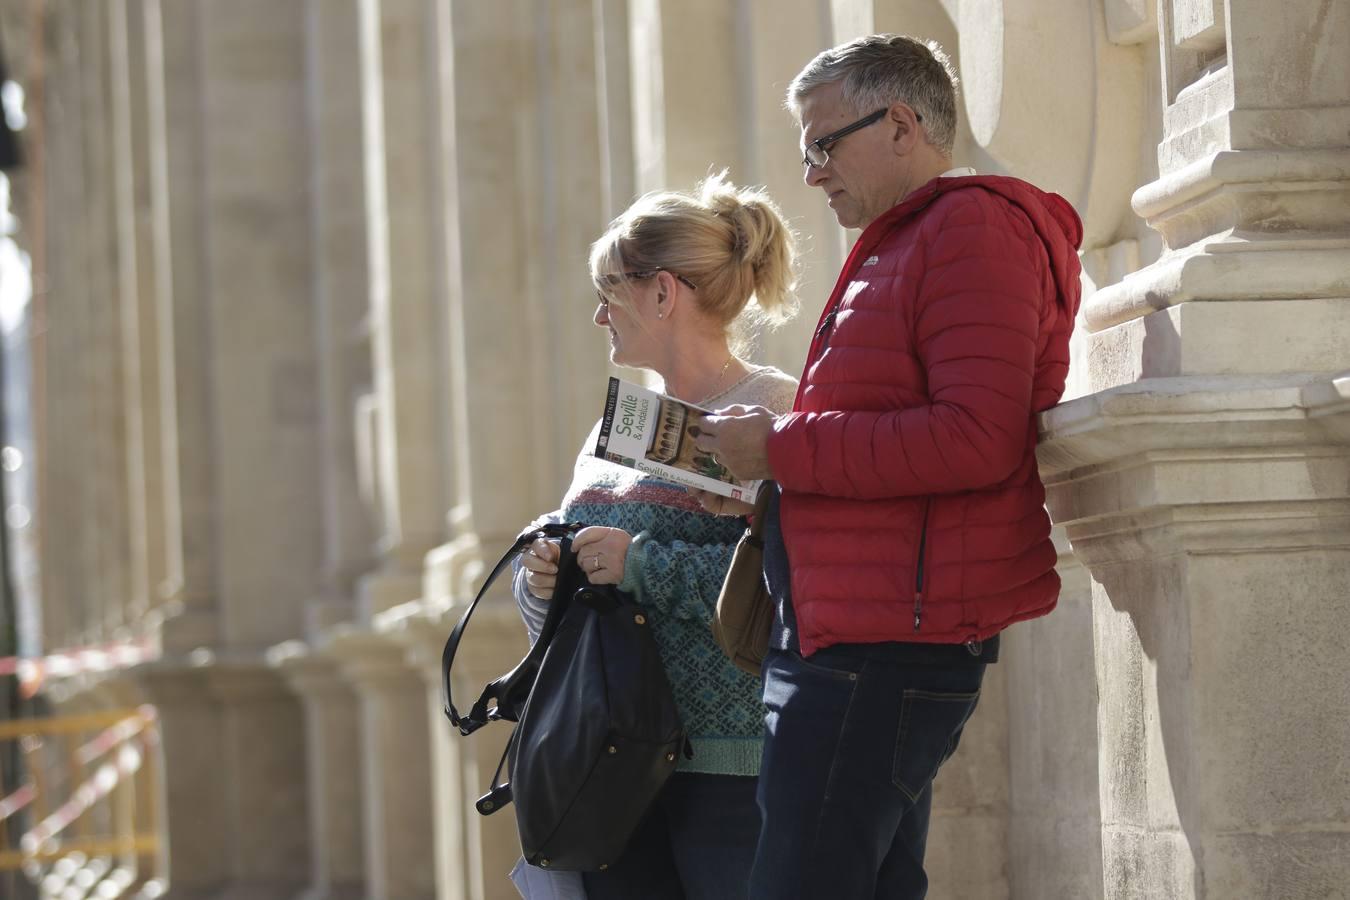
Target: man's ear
x,y
904,125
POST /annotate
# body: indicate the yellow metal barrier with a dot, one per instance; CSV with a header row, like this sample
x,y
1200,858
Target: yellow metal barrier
x,y
89,801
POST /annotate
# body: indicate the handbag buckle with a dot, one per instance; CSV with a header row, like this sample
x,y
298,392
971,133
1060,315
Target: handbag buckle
x,y
494,799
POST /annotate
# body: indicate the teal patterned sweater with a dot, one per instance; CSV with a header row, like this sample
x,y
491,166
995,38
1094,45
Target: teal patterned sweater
x,y
675,568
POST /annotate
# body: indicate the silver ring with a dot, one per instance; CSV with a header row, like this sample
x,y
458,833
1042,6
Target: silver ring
x,y
595,563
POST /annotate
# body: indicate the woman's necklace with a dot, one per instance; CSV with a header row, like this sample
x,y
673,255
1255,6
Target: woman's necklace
x,y
720,375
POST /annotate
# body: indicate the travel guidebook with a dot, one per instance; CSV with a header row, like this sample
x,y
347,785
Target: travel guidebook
x,y
658,435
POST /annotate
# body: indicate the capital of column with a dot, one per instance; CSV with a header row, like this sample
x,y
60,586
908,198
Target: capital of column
x,y
1240,225
382,590
311,672
421,629
1158,466
372,662
173,680
494,639
245,680
450,570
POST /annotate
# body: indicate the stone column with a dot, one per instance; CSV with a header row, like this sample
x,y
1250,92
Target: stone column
x,y
236,170
333,768
489,844
196,792
784,37
522,282
107,578
422,636
186,347
257,268
492,844
400,845
59,359
142,800
1204,485
164,543
340,289
132,132
264,837
687,108
399,122
613,82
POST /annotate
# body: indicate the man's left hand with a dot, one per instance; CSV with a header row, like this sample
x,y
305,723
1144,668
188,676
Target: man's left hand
x,y
737,437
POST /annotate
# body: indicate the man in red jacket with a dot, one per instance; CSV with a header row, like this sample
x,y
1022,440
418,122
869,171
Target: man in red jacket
x,y
909,528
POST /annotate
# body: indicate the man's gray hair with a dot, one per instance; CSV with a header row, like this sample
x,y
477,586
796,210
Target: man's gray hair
x,y
882,69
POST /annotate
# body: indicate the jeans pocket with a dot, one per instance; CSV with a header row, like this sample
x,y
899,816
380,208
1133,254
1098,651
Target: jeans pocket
x,y
930,728
824,663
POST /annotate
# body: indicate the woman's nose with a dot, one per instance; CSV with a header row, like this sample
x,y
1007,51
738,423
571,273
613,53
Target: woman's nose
x,y
601,316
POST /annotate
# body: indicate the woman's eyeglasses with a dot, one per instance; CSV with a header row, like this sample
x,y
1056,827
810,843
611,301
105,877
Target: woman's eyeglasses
x,y
641,275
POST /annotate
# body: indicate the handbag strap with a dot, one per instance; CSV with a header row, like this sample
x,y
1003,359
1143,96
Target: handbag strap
x,y
755,532
499,792
480,715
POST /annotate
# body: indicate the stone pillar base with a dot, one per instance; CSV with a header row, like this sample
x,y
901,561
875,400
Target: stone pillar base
x,y
1216,526
333,765
400,845
236,798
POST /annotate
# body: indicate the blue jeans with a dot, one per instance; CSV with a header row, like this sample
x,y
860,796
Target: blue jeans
x,y
696,843
855,737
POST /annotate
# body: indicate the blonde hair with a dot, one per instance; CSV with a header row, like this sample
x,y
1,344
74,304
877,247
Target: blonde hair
x,y
731,243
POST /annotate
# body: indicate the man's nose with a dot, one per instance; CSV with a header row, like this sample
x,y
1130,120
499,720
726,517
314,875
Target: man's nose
x,y
813,175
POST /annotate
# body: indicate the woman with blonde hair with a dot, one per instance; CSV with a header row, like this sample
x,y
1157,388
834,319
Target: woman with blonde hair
x,y
677,275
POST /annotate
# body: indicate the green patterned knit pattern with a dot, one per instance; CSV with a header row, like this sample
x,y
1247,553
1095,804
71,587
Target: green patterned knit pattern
x,y
675,568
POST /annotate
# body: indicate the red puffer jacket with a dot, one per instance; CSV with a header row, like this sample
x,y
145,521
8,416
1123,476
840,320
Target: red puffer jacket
x,y
912,509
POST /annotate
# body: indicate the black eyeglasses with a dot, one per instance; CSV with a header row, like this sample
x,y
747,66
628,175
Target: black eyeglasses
x,y
621,277
817,153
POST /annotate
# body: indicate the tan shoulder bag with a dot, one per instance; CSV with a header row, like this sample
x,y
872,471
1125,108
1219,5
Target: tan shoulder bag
x,y
744,613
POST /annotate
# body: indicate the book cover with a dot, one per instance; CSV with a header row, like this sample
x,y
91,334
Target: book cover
x,y
658,435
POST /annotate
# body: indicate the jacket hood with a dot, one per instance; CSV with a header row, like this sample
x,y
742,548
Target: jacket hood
x,y
1053,218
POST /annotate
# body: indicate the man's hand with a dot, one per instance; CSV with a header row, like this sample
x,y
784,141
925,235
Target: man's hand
x,y
737,437
719,505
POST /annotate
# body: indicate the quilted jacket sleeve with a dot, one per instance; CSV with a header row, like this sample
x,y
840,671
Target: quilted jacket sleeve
x,y
976,325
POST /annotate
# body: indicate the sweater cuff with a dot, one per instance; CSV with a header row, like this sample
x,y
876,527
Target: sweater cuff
x,y
632,566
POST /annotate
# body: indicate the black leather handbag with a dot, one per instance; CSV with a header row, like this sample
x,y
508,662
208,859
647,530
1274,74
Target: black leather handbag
x,y
597,731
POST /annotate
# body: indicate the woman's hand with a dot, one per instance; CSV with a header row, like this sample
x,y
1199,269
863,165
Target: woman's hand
x,y
602,553
542,562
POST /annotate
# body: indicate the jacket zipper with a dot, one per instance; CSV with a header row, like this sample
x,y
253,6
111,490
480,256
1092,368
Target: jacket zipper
x,y
918,568
826,324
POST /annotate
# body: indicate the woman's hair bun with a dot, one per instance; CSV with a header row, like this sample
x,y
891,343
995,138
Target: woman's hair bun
x,y
757,236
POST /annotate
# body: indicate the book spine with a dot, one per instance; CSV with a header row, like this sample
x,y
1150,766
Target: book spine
x,y
607,422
